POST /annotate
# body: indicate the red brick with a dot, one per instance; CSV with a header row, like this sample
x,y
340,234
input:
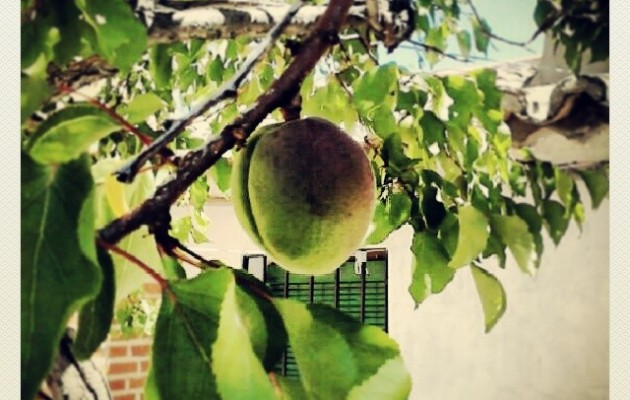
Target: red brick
x,y
122,368
152,288
140,350
136,383
118,351
144,366
125,397
117,384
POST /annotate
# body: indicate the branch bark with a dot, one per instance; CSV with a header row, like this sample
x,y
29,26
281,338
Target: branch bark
x,y
154,212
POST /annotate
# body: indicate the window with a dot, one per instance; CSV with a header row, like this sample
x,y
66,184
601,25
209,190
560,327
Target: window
x,y
358,287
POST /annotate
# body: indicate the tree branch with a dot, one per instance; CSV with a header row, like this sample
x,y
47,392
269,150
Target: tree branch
x,y
500,38
154,212
228,90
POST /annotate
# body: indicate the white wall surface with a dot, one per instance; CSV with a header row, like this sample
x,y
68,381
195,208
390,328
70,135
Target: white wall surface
x,y
551,344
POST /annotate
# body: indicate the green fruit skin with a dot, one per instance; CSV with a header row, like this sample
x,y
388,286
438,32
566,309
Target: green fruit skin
x,y
304,191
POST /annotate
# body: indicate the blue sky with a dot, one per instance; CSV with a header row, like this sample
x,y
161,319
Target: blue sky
x,y
511,19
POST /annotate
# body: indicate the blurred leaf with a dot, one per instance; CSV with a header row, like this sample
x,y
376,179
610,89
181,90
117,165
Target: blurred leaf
x,y
142,107
480,27
160,65
465,42
515,234
491,294
56,277
120,36
430,267
597,184
68,133
34,89
473,236
339,358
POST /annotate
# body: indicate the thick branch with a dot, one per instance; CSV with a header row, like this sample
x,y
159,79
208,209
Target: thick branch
x,y
155,211
227,90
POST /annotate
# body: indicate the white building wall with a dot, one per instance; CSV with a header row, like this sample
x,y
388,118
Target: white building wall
x,y
552,342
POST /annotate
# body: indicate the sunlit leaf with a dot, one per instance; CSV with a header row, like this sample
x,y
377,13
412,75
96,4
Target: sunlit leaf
x,y
68,133
491,294
472,238
142,106
339,358
203,328
515,234
56,277
389,216
430,267
377,88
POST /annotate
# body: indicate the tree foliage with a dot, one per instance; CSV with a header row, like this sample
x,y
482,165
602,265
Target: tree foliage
x,y
437,144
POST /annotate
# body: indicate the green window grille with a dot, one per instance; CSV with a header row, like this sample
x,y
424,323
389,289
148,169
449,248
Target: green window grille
x,y
357,287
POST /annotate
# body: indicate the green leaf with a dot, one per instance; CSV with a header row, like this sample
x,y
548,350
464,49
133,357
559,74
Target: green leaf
x,y
556,220
120,37
201,349
433,129
465,42
472,238
56,277
68,133
172,268
491,294
376,88
597,184
142,107
338,358
34,89
199,193
262,320
221,172
160,65
389,216
515,234
430,267
480,27
564,186
95,317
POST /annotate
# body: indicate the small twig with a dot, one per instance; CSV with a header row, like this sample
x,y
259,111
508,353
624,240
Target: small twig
x,y
115,116
500,38
130,257
228,90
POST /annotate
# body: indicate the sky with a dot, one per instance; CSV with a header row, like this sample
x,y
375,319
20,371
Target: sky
x,y
511,19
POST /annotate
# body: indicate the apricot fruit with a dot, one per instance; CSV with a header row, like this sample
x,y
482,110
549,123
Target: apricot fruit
x,y
304,191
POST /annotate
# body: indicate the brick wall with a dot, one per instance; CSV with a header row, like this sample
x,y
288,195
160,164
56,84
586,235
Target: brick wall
x,y
127,359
